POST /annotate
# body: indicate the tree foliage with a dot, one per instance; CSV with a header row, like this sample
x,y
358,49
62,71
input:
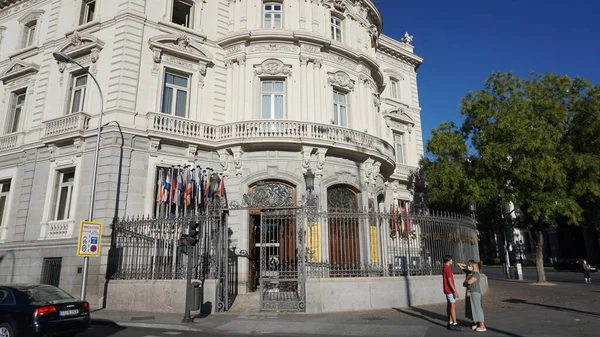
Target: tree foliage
x,y
534,142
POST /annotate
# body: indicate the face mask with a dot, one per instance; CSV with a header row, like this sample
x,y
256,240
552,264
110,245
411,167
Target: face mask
x,y
469,268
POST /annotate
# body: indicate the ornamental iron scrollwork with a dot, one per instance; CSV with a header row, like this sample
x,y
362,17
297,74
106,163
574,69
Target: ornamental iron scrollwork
x,y
267,195
341,198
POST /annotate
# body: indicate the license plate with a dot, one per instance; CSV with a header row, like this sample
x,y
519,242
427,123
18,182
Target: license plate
x,y
68,312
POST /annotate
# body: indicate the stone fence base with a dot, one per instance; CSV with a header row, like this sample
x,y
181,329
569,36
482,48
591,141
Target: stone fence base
x,y
322,295
374,293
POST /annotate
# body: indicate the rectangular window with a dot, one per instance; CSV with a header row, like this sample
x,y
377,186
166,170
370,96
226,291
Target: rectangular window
x,y
78,93
273,99
399,145
394,89
340,109
29,34
182,13
64,194
51,276
16,111
273,16
4,191
88,8
336,29
175,94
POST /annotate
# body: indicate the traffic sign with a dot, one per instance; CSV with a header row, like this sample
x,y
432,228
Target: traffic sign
x,y
90,237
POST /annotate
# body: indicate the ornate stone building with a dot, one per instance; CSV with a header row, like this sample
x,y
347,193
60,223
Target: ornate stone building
x,y
258,91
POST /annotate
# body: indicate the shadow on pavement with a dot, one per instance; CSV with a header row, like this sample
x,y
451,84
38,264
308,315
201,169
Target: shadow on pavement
x,y
440,320
518,301
103,328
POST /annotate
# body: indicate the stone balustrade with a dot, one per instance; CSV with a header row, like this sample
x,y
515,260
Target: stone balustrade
x,y
65,125
57,229
268,131
403,172
10,141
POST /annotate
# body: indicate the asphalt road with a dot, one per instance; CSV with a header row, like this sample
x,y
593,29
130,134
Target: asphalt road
x,y
529,274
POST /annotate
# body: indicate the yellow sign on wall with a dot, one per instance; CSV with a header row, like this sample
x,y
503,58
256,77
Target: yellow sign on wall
x,y
374,245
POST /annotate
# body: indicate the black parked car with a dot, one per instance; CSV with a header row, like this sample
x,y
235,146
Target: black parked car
x,y
41,310
571,265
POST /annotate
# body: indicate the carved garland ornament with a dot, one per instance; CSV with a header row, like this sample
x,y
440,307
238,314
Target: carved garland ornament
x,y
273,67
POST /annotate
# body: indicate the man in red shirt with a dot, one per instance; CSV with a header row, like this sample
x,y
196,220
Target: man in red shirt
x,y
450,292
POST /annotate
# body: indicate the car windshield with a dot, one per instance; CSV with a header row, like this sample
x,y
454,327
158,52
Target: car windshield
x,y
45,294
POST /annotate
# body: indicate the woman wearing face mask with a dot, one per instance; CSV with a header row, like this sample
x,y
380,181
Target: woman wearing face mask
x,y
475,295
469,271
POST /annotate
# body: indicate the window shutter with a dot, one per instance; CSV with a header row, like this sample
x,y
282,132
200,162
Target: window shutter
x,y
69,99
54,198
82,12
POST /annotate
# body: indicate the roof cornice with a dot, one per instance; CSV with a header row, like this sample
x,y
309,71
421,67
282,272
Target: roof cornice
x,y
399,50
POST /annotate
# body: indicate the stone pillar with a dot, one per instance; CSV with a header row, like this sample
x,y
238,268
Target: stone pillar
x,y
229,98
302,11
304,88
241,95
318,108
315,18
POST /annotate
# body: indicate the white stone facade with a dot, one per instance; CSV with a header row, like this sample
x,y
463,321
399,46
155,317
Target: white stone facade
x,y
255,92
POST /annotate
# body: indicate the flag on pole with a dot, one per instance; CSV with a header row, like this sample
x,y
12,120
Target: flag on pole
x,y
406,215
188,189
206,188
166,186
179,189
223,194
159,185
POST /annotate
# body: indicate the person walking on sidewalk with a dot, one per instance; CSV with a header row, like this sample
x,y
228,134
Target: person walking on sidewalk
x,y
475,298
450,292
586,272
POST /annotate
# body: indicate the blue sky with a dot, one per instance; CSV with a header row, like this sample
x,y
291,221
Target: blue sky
x,y
464,41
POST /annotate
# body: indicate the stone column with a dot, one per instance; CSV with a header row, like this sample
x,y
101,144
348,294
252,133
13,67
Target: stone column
x,y
315,17
243,110
302,11
304,88
317,113
229,97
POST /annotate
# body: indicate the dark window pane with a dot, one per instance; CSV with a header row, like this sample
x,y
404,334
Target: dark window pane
x,y
68,177
181,13
6,186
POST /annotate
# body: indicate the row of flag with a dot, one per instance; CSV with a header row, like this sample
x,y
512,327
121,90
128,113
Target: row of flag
x,y
400,214
185,189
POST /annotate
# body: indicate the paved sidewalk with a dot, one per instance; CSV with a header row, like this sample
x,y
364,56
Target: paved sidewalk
x,y
512,309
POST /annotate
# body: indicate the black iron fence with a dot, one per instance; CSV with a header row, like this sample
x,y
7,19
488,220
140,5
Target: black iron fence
x,y
363,244
145,248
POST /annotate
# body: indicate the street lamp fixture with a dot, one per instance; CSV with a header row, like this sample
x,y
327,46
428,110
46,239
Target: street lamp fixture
x,y
309,180
64,58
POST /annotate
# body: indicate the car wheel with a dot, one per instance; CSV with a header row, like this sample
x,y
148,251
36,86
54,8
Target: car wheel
x,y
6,330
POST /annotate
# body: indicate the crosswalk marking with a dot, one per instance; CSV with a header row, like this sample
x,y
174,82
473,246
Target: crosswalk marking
x,y
172,333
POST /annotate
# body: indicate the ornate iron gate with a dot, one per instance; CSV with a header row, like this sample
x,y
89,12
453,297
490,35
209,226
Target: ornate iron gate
x,y
282,260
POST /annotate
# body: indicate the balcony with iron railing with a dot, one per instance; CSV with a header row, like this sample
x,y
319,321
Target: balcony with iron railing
x,y
65,127
267,133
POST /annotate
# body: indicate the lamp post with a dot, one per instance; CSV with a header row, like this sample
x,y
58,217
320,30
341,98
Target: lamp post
x,y
62,57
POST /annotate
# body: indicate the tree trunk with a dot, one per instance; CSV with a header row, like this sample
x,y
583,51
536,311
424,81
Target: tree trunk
x,y
539,258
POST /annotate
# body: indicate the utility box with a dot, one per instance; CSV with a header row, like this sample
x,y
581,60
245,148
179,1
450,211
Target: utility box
x,y
197,296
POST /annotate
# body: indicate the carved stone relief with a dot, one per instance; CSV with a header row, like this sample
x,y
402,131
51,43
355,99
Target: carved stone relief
x,y
273,67
340,79
153,146
273,47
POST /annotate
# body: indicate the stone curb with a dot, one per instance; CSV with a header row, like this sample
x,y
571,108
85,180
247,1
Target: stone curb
x,y
175,327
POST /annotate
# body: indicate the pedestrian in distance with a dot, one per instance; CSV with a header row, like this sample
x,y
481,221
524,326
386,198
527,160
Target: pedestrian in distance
x,y
450,292
586,271
468,310
473,283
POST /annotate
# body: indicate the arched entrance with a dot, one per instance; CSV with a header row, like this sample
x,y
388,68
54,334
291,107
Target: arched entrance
x,y
344,231
272,239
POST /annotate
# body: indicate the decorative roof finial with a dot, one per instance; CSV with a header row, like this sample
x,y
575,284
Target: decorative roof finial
x,y
408,39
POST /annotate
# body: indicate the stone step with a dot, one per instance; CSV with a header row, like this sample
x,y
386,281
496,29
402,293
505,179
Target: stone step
x,y
249,302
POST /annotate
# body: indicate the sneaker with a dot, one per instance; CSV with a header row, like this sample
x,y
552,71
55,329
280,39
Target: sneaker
x,y
456,327
481,329
449,326
474,327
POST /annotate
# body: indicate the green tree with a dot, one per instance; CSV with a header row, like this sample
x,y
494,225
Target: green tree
x,y
526,147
